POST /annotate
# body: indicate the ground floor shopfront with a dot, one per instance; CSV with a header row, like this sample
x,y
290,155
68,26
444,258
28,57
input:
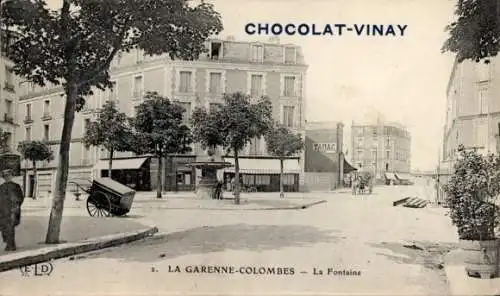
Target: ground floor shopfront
x,y
140,173
262,174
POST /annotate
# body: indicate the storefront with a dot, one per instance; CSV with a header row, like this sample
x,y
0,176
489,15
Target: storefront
x,y
133,172
324,159
179,176
262,174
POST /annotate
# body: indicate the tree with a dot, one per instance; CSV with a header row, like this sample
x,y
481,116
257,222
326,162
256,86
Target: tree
x,y
158,129
74,46
110,131
206,128
476,32
282,142
4,141
239,122
35,151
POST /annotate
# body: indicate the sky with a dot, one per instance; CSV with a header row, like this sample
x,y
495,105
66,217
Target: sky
x,y
404,77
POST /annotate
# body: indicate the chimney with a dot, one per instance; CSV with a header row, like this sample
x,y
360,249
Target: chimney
x,y
230,38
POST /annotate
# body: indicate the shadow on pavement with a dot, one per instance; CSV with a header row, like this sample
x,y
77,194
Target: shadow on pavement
x,y
209,239
428,254
30,234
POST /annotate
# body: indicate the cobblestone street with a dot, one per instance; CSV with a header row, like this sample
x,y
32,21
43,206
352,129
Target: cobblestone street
x,y
383,249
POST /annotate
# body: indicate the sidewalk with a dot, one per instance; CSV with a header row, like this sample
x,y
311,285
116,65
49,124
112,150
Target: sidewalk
x,y
78,234
188,200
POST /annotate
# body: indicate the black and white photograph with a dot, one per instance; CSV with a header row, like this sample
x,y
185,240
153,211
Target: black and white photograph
x,y
250,147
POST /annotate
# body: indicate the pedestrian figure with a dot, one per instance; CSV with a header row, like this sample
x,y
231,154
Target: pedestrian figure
x,y
11,199
355,184
233,185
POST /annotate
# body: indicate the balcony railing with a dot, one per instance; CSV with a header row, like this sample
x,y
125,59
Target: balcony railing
x,y
7,118
28,119
8,86
46,116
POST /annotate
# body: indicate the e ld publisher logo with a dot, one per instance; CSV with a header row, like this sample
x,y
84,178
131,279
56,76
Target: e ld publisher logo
x,y
39,269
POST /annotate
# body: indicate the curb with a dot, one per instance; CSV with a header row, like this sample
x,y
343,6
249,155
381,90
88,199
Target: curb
x,y
15,260
293,207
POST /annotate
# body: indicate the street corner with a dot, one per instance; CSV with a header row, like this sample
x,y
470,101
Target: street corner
x,y
28,260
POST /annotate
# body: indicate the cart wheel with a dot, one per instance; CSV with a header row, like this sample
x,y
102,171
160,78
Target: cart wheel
x,y
99,205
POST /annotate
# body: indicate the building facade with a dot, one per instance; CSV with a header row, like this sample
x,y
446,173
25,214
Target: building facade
x,y
272,69
324,159
473,109
9,91
381,147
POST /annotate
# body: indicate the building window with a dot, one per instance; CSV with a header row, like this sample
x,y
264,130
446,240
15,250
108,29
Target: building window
x,y
288,115
185,81
46,132
27,133
212,107
388,142
374,154
262,179
215,83
139,56
28,112
256,85
138,91
110,93
255,146
46,107
388,154
483,101
9,84
289,86
482,71
359,141
8,111
86,125
215,50
186,116
117,59
257,53
290,55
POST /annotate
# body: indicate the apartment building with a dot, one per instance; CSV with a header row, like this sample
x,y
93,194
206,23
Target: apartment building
x,y
381,147
325,164
8,102
272,69
473,110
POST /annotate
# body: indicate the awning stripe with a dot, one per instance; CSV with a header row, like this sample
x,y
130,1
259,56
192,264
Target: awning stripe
x,y
121,164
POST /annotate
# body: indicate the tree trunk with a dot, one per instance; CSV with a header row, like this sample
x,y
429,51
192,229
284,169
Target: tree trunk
x,y
55,220
35,181
282,194
158,176
236,178
110,163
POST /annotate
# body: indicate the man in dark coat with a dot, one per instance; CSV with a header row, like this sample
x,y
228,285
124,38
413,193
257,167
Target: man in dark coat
x,y
11,199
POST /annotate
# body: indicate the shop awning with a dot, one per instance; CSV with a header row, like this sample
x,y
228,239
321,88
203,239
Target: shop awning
x,y
121,164
390,176
348,167
264,166
402,176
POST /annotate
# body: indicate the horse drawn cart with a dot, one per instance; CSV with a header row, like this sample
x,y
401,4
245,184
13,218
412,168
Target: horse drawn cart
x,y
107,197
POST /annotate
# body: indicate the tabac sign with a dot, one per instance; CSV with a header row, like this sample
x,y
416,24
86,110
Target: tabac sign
x,y
325,147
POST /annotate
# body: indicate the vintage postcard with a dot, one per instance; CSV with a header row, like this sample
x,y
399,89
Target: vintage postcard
x,y
249,147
